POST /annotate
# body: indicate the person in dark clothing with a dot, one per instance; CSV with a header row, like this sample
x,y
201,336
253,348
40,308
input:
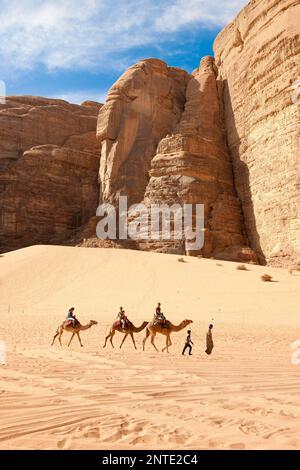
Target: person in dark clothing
x,y
159,316
71,317
209,340
188,343
122,318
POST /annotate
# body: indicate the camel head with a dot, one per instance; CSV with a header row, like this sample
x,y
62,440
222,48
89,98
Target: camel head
x,y
187,322
93,322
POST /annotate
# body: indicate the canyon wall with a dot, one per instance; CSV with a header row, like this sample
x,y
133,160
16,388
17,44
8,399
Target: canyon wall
x,y
163,141
258,57
49,163
226,136
142,107
193,166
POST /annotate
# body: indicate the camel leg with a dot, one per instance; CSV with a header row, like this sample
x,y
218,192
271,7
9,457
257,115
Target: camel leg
x,y
152,341
59,337
123,340
71,339
108,336
145,339
132,337
54,337
79,339
111,338
168,343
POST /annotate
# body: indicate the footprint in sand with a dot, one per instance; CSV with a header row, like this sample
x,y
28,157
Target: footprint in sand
x,y
215,444
215,421
253,427
237,446
142,439
178,437
64,444
294,442
93,432
260,411
287,414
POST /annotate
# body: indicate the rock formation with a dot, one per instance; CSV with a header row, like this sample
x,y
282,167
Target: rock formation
x,y
49,163
193,166
226,136
258,56
143,106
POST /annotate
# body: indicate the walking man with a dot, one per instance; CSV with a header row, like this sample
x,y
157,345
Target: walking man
x,y
188,343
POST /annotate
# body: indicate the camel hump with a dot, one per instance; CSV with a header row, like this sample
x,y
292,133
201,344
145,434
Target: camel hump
x,y
117,324
166,324
69,323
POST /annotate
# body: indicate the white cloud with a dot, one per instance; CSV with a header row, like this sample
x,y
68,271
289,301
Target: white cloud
x,y
90,34
181,13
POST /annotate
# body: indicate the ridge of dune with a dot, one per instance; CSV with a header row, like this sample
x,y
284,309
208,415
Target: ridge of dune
x,y
50,278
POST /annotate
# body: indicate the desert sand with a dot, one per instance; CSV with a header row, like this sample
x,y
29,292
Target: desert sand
x,y
244,396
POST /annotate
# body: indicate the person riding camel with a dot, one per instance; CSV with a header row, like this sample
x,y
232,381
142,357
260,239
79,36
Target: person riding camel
x,y
159,316
122,318
71,317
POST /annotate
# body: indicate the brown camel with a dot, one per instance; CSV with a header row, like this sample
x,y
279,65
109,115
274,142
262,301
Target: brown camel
x,y
128,330
154,327
65,326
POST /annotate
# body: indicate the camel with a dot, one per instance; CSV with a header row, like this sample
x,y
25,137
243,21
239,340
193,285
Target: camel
x,y
65,326
128,330
154,328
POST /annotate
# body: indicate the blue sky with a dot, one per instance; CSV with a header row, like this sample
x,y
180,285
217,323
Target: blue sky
x,y
76,49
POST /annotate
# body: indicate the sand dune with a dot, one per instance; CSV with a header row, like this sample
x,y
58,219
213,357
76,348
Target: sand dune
x,y
244,396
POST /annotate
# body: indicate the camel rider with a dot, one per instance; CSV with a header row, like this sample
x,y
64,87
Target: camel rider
x,y
159,316
122,318
71,317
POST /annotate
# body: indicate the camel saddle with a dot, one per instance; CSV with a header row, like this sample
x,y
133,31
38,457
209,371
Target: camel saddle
x,y
161,323
70,323
117,324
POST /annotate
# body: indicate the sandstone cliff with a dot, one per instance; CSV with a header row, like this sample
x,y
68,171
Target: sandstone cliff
x,y
49,161
258,56
226,136
163,141
143,106
193,166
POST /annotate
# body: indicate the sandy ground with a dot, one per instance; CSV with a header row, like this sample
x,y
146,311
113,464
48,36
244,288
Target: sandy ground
x,y
244,396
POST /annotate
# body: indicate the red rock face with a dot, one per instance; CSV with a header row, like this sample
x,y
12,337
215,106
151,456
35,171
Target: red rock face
x,y
190,164
143,106
49,161
226,136
258,56
193,165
